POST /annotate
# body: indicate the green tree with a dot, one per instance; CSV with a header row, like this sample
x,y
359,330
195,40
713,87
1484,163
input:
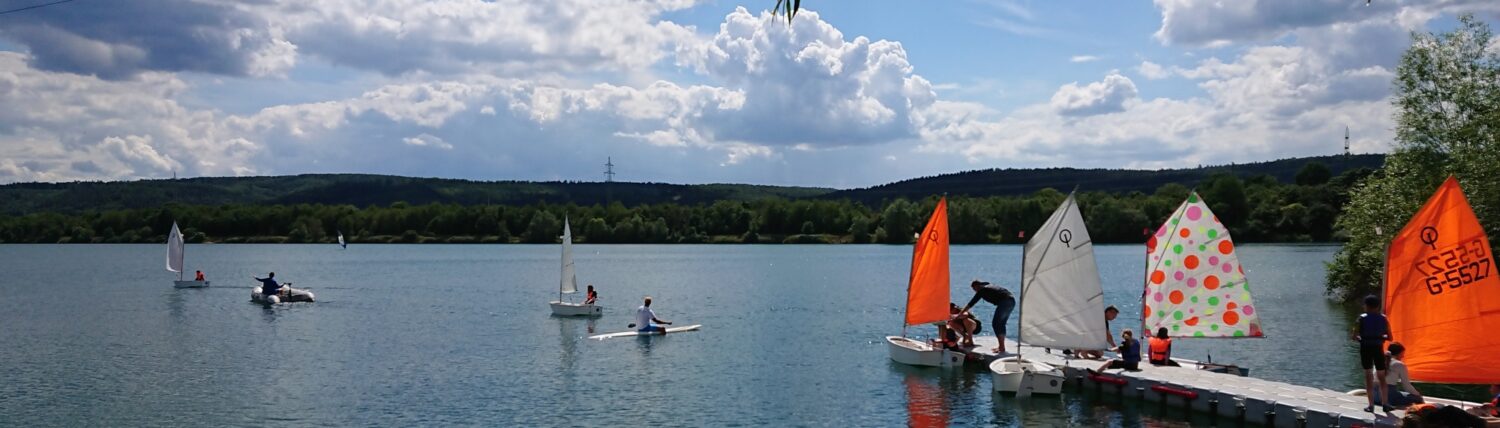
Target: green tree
x,y
1447,123
1313,174
544,228
899,222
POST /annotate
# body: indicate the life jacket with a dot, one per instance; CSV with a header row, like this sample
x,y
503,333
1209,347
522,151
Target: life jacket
x,y
1161,349
199,277
1420,407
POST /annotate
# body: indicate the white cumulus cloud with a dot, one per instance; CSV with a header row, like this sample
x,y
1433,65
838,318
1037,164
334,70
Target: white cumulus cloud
x,y
1106,96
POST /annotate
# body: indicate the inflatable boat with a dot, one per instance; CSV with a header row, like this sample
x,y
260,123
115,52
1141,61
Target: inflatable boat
x,y
287,295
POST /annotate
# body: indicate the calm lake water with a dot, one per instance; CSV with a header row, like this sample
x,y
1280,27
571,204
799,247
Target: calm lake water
x,y
461,334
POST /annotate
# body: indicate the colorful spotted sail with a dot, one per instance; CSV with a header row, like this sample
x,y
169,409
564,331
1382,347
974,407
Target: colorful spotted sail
x,y
1195,286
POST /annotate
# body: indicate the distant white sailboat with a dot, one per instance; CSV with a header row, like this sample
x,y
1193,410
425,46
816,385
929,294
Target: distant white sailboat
x,y
175,252
1062,302
569,283
342,244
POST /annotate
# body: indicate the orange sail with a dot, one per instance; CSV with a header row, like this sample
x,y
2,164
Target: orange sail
x,y
927,293
1442,295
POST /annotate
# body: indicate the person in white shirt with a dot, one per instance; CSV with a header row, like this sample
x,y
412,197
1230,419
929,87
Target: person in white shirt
x,y
647,321
1396,375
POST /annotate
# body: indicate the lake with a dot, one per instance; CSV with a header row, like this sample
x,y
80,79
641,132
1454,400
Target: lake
x,y
461,334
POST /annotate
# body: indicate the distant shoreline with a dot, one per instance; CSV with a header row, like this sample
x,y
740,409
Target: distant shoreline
x,y
494,240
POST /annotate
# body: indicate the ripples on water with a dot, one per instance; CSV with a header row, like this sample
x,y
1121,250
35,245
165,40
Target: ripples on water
x,y
438,334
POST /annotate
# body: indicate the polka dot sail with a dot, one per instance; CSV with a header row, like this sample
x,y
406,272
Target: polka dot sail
x,y
1195,286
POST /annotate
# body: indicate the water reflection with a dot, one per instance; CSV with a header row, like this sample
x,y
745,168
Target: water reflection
x,y
926,406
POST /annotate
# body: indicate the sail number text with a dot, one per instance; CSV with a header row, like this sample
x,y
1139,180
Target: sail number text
x,y
1456,266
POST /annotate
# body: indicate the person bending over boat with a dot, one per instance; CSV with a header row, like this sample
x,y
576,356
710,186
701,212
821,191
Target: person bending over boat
x,y
1399,390
1109,315
268,285
592,296
644,319
1004,302
1130,353
1371,331
1161,349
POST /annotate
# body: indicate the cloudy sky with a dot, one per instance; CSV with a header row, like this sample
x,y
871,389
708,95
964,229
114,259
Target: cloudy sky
x,y
850,94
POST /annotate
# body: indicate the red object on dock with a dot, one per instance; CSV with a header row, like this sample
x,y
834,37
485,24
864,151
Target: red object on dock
x,y
1101,378
1184,393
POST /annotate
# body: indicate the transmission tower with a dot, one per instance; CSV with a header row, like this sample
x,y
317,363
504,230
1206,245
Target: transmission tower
x,y
1346,141
609,170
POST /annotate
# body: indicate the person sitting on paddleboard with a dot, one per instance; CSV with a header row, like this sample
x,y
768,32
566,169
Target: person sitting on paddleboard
x,y
268,285
592,296
1004,302
644,318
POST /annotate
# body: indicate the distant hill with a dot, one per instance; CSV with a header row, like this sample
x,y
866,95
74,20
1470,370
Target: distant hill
x,y
363,190
1005,182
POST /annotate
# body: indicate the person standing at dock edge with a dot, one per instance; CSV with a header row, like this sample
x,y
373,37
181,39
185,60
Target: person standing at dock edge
x,y
1004,302
1372,330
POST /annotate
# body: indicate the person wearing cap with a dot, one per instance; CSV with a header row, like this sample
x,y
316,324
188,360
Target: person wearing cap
x,y
1004,302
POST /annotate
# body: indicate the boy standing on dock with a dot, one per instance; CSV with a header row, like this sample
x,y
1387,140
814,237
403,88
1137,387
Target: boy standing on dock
x,y
1371,331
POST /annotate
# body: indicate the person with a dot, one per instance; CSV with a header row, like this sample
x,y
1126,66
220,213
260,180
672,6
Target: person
x,y
268,285
1130,353
645,317
1406,394
1371,331
1109,315
591,296
1004,302
1161,349
960,324
199,276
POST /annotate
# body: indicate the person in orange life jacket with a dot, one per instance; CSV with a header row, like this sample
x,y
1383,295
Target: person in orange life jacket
x,y
1161,349
1109,315
1399,390
199,276
1371,331
591,296
1130,354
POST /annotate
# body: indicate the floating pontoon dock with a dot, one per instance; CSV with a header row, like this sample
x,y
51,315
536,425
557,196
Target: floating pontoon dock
x,y
1252,400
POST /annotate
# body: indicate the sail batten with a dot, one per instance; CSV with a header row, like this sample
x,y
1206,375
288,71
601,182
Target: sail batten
x,y
1062,297
1195,285
569,282
175,250
927,289
1442,294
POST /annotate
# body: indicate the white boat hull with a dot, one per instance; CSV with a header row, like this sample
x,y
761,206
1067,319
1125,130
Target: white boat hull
x,y
565,309
1024,377
288,295
918,353
190,284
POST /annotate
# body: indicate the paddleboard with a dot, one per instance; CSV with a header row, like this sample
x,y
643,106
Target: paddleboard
x,y
632,333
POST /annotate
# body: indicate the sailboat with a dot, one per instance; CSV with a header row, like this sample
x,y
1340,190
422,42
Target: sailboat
x,y
1442,295
1062,302
927,296
569,283
175,252
1195,286
342,244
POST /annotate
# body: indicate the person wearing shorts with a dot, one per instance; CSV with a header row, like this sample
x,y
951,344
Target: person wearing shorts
x,y
1371,331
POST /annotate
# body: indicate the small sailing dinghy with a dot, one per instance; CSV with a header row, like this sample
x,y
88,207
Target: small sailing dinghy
x,y
1062,302
569,283
176,250
342,244
1195,286
287,295
927,296
1442,295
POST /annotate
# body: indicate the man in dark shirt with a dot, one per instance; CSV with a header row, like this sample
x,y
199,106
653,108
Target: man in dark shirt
x,y
1371,331
1004,302
268,285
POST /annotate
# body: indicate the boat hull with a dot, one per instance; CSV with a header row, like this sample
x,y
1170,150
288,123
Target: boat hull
x,y
289,295
918,353
565,309
1015,375
190,284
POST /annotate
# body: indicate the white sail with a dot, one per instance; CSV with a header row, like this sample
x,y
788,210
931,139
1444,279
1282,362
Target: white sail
x,y
1062,298
174,250
341,240
569,280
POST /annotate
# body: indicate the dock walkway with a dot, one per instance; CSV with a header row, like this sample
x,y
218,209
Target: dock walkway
x,y
1250,399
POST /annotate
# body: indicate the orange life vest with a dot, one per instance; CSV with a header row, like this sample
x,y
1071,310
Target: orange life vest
x,y
1160,349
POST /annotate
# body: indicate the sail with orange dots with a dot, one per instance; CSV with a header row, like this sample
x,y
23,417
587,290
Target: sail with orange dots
x,y
927,290
1195,285
1441,293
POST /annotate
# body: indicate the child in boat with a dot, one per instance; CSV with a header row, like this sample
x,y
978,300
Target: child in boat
x,y
1396,375
592,296
1371,331
1161,349
199,276
1130,353
963,324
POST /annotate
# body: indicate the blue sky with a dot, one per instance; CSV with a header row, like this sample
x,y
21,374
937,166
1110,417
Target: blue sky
x,y
850,94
